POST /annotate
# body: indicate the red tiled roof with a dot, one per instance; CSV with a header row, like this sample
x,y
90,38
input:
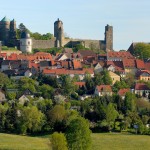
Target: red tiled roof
x,y
65,71
104,88
33,64
13,56
4,55
122,92
129,63
147,65
122,54
141,86
140,64
77,64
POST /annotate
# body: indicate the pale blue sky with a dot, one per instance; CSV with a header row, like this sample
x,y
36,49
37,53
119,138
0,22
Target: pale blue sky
x,y
84,19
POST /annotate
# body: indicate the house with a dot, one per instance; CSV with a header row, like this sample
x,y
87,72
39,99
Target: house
x,y
98,67
25,96
57,72
2,96
119,56
141,89
129,66
143,75
102,90
122,93
114,77
22,99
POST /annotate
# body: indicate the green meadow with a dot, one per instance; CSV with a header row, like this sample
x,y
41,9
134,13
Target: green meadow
x,y
101,141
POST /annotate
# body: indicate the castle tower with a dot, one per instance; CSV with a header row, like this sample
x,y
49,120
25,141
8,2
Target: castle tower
x,y
25,43
109,38
12,34
4,30
59,33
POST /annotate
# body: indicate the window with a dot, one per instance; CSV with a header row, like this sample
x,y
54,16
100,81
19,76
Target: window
x,y
28,42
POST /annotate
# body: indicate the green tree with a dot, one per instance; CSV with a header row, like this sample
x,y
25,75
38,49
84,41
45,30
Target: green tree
x,y
31,119
130,102
47,91
106,78
57,117
98,79
78,134
58,141
3,110
142,50
67,84
111,115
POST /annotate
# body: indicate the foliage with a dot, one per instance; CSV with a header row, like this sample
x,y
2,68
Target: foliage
x,y
142,50
56,117
78,134
31,119
47,91
59,141
110,116
130,102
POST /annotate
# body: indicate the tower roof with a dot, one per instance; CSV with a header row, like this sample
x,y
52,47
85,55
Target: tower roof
x,y
25,35
5,19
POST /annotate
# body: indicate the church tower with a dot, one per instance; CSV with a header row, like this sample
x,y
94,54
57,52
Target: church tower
x,y
59,33
108,38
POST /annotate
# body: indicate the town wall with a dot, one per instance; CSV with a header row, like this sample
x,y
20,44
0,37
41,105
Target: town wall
x,y
43,43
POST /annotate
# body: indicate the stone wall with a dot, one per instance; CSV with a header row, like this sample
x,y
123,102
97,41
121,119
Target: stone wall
x,y
43,43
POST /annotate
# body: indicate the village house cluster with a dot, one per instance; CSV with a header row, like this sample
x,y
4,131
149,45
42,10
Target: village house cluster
x,y
82,63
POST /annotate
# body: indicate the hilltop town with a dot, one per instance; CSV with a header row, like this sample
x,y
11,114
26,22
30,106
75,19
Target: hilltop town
x,y
56,77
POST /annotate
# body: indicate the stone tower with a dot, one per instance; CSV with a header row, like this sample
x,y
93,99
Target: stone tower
x,y
12,34
4,30
109,38
59,33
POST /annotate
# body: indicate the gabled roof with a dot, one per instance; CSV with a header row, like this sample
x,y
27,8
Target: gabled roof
x,y
147,65
85,53
140,64
129,63
104,88
122,54
117,64
141,86
122,92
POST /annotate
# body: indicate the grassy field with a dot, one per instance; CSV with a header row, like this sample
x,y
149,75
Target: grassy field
x,y
16,142
101,141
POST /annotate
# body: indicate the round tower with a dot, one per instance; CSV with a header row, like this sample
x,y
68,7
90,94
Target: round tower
x,y
59,33
4,30
26,43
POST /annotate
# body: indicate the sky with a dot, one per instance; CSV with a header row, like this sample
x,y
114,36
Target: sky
x,y
85,19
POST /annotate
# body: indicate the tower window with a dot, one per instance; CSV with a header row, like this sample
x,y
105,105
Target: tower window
x,y
28,43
